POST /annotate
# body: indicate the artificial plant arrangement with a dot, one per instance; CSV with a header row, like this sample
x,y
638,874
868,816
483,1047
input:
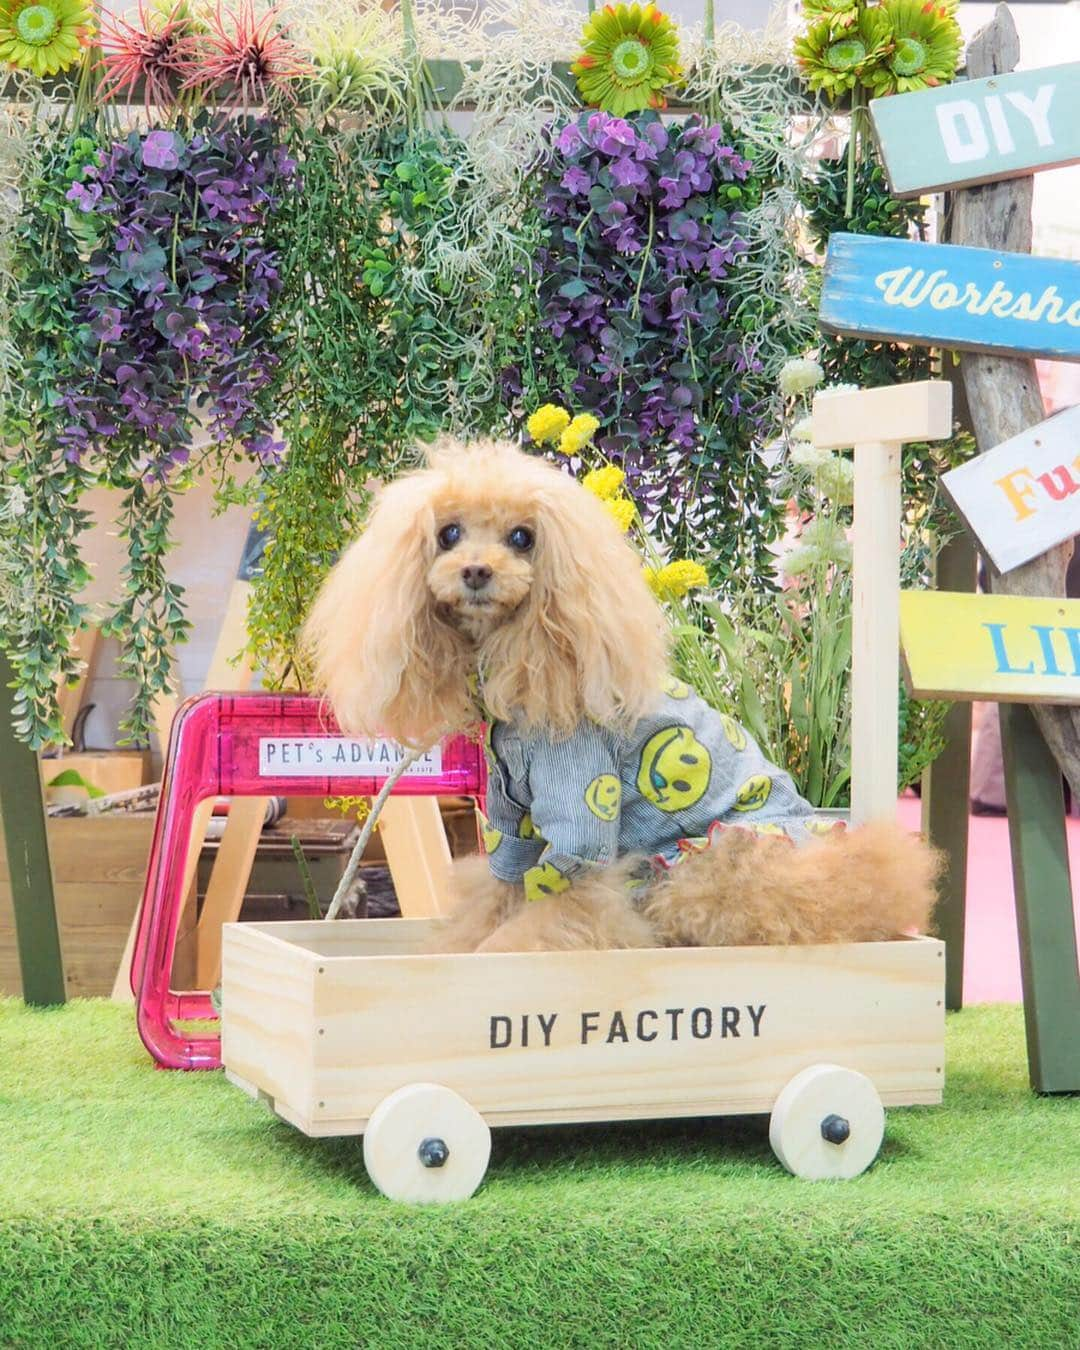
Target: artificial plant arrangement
x,y
855,49
361,274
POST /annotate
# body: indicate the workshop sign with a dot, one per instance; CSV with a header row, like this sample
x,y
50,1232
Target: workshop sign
x,y
1002,648
979,131
1023,497
945,295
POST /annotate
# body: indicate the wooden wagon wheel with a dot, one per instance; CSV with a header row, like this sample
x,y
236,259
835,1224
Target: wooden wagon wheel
x,y
425,1145
828,1122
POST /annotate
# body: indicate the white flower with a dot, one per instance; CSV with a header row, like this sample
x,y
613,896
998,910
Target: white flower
x,y
799,560
835,478
16,500
798,375
838,389
803,430
803,455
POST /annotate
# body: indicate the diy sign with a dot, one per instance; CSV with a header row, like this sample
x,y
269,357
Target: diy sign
x,y
1022,497
979,131
972,299
1004,648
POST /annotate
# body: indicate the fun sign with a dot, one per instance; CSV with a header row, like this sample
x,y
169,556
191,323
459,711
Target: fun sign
x,y
1022,497
971,299
979,131
1004,648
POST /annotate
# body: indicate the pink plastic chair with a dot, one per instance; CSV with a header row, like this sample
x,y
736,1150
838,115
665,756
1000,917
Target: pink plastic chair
x,y
251,745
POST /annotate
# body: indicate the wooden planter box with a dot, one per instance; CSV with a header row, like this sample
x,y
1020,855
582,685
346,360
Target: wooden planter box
x,y
99,867
327,1022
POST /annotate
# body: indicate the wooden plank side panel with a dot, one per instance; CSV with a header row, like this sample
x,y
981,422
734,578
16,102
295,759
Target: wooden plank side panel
x,y
99,866
1002,648
969,299
267,1034
1022,497
979,131
609,1035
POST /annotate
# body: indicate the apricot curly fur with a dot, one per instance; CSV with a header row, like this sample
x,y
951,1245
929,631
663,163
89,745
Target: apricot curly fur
x,y
587,639
862,885
596,914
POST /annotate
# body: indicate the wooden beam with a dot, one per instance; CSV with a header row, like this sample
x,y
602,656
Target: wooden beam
x,y
37,931
876,422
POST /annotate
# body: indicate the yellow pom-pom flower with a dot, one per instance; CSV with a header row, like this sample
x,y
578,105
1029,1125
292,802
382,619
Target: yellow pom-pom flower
x,y
548,423
578,434
675,579
604,483
623,510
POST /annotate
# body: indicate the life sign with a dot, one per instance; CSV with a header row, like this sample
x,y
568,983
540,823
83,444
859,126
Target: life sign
x,y
1003,648
979,131
1022,497
944,295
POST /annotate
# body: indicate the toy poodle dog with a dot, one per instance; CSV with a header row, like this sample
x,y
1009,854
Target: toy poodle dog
x,y
622,811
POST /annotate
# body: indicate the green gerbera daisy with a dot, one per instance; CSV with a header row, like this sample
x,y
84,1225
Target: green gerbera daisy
x,y
42,36
924,47
840,13
835,61
631,53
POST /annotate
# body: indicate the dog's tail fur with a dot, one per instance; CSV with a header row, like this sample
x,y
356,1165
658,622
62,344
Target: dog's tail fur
x,y
862,885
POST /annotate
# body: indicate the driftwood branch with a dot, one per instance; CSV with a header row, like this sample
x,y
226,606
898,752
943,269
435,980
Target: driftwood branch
x,y
1002,391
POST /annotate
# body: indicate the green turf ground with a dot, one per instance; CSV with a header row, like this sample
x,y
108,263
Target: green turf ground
x,y
142,1208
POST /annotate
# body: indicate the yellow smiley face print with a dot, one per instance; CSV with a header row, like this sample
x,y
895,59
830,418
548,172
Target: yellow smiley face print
x,y
735,734
822,827
754,793
674,770
489,749
542,880
768,829
492,837
675,688
527,830
603,795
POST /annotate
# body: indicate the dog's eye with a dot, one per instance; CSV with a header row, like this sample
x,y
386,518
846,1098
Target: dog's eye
x,y
449,535
521,538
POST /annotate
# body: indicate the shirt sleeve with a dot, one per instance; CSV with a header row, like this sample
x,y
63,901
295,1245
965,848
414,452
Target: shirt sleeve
x,y
510,838
576,800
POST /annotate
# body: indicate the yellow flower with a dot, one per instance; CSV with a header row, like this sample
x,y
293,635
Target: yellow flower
x,y
675,579
604,483
624,511
43,37
578,434
548,423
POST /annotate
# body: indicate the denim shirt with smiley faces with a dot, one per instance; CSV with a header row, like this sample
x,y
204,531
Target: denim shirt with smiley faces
x,y
556,808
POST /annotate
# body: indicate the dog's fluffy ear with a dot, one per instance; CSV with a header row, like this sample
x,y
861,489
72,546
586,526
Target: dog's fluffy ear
x,y
379,652
590,641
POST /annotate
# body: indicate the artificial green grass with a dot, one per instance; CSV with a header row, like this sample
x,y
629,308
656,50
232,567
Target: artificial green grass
x,y
141,1208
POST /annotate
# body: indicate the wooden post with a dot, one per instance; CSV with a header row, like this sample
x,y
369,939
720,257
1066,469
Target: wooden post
x,y
1044,906
877,422
946,793
1003,391
32,896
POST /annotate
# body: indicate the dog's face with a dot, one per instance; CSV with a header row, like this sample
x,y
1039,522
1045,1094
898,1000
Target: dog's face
x,y
483,568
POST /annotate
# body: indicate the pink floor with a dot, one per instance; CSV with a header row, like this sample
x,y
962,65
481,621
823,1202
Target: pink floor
x,y
991,954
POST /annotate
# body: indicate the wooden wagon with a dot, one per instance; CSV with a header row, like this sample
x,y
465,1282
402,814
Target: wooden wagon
x,y
350,1028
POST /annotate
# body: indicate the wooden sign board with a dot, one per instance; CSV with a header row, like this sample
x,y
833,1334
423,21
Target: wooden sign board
x,y
943,295
1003,648
979,131
1022,497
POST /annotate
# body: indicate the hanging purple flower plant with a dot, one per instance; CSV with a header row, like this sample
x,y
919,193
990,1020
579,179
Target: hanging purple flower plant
x,y
643,231
173,318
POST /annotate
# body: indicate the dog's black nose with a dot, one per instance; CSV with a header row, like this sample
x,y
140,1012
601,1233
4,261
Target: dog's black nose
x,y
476,577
